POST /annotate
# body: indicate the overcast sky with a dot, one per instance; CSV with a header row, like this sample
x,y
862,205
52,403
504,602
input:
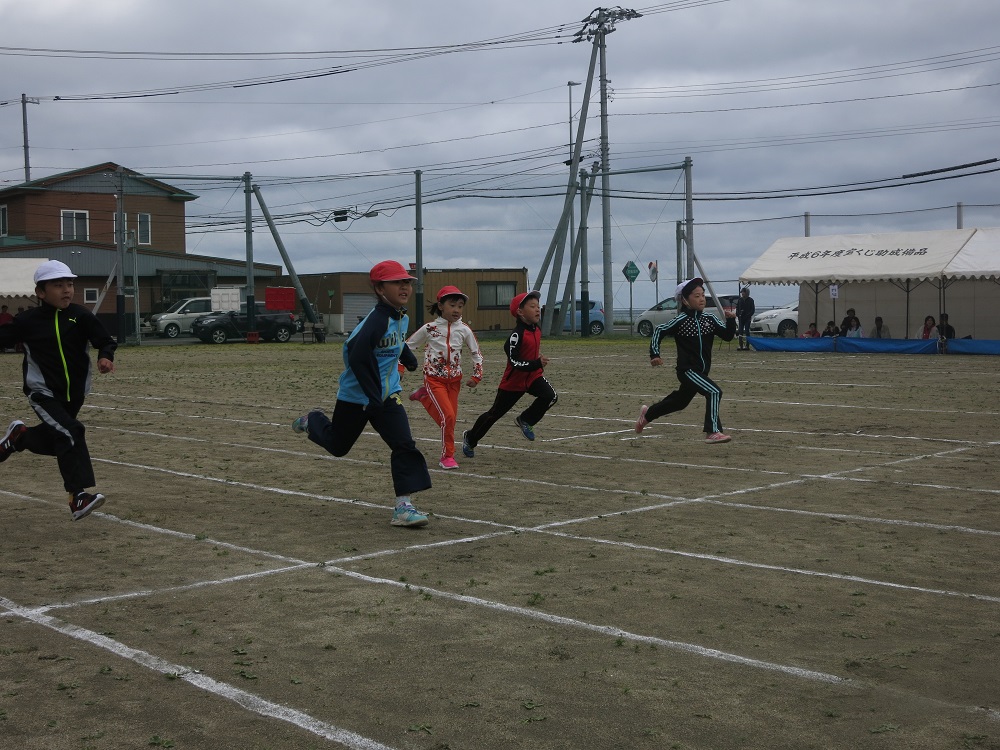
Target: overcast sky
x,y
766,96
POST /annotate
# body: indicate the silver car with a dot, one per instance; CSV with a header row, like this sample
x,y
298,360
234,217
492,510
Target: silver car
x,y
666,310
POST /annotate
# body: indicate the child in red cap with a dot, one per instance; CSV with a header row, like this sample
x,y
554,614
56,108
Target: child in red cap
x,y
443,339
694,330
369,390
523,375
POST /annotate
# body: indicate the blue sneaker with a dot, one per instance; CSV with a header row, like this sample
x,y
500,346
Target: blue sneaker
x,y
407,515
526,429
468,450
301,424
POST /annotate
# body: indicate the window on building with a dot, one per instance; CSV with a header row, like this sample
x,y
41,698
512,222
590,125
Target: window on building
x,y
3,221
114,228
90,296
495,295
145,229
75,225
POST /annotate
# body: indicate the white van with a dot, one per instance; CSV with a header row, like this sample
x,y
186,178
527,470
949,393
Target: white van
x,y
179,317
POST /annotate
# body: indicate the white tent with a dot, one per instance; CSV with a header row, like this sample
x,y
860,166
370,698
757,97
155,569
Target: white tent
x,y
17,276
899,276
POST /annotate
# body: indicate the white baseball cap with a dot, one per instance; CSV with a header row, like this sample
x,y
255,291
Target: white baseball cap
x,y
53,269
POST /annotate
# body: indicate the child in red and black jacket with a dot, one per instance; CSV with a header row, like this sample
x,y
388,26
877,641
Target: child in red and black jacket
x,y
523,375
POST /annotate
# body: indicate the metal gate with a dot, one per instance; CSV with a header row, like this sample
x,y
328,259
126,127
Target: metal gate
x,y
356,307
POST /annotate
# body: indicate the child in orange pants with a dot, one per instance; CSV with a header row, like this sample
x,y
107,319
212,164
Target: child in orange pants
x,y
443,339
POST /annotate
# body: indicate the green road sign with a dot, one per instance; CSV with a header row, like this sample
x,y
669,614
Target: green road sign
x,y
631,271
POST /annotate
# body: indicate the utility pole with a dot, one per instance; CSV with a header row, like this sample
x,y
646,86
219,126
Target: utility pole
x,y
25,101
120,247
572,230
253,335
418,314
601,23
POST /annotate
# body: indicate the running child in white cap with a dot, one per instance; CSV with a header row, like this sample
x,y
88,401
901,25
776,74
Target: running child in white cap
x,y
56,338
694,330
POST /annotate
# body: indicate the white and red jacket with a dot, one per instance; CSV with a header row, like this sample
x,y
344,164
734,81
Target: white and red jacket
x,y
443,356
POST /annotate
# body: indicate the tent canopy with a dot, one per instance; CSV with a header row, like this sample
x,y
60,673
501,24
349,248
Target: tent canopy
x,y
17,276
890,256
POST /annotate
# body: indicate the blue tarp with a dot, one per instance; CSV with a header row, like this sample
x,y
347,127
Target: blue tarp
x,y
872,346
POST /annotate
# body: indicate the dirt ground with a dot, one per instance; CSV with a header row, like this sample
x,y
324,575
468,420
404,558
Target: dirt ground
x,y
827,580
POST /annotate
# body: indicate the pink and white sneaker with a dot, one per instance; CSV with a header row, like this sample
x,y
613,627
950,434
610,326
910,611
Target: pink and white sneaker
x,y
447,462
418,394
641,421
716,437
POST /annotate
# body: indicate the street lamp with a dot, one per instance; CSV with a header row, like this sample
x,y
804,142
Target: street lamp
x,y
572,230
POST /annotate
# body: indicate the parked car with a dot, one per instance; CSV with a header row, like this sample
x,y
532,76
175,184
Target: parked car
x,y
776,322
596,317
219,327
666,310
177,319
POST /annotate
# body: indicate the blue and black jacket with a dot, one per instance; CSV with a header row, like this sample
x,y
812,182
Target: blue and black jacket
x,y
371,354
694,333
57,349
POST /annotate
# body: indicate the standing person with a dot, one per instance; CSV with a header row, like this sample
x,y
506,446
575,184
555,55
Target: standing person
x,y
57,336
694,331
846,322
443,339
880,330
745,309
524,374
369,390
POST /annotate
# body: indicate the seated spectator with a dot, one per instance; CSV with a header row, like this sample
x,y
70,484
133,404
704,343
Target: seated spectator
x,y
945,330
880,330
854,330
846,322
929,329
5,316
811,332
831,329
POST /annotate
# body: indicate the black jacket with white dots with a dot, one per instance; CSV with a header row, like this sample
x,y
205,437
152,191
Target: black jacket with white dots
x,y
694,333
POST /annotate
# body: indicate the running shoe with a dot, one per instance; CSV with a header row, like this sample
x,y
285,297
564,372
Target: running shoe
x,y
526,429
82,504
716,437
467,448
407,515
418,394
8,443
448,462
301,424
641,422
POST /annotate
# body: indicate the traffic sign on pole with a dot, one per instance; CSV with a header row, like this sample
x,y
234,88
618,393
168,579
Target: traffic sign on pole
x,y
631,271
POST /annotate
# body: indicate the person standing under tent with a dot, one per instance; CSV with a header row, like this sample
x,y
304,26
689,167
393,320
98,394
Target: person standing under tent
x,y
745,309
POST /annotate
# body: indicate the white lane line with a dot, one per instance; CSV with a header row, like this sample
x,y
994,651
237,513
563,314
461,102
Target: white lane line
x,y
607,630
249,701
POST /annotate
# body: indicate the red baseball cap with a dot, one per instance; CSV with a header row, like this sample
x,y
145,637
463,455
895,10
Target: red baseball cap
x,y
451,291
389,270
518,302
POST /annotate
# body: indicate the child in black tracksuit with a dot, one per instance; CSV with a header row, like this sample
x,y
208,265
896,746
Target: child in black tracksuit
x,y
56,337
694,330
524,374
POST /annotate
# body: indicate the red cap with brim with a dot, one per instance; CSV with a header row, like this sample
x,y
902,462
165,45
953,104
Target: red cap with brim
x,y
518,302
451,291
389,270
